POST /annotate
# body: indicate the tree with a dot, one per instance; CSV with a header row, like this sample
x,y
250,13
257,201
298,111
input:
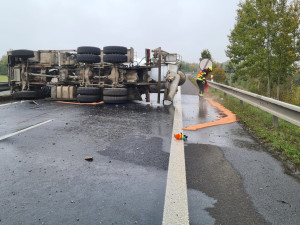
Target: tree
x,y
205,54
3,65
261,43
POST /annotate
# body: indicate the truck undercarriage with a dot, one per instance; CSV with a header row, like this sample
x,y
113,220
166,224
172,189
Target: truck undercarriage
x,y
90,74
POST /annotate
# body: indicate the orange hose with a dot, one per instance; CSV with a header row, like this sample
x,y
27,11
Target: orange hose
x,y
230,118
78,103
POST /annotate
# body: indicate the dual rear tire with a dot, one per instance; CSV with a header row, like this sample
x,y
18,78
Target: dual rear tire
x,y
115,95
88,54
115,54
89,94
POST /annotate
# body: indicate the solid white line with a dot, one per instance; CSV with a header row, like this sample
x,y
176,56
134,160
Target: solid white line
x,y
11,103
176,203
26,129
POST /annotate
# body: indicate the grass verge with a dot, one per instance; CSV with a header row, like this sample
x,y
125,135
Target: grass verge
x,y
284,140
3,78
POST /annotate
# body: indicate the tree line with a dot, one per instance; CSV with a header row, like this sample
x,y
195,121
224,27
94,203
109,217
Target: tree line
x,y
264,47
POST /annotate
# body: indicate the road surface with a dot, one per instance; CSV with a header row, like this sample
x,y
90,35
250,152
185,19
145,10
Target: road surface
x,y
45,179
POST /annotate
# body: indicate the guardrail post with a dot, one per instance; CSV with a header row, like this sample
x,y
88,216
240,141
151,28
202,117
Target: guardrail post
x,y
241,104
275,121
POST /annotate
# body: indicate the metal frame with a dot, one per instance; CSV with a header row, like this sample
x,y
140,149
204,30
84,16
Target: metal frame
x,y
278,109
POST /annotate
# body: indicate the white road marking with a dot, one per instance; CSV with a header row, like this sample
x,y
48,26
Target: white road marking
x,y
26,129
176,203
11,103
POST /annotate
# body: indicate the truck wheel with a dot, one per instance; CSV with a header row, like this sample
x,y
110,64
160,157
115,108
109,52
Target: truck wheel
x,y
89,91
22,53
88,98
115,99
24,94
115,58
86,58
115,50
88,50
45,92
115,91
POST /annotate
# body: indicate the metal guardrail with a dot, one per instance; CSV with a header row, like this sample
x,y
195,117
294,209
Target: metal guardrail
x,y
4,86
278,109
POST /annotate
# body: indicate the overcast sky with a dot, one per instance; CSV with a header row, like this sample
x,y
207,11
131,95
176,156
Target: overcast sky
x,y
178,26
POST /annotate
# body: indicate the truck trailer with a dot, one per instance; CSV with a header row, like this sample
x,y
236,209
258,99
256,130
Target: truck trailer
x,y
90,74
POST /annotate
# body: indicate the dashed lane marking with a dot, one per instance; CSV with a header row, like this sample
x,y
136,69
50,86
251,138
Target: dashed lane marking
x,y
26,129
176,203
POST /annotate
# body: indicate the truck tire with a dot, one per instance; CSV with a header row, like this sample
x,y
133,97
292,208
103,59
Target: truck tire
x,y
115,99
115,58
45,92
89,91
22,53
24,94
88,98
115,50
88,50
87,58
115,91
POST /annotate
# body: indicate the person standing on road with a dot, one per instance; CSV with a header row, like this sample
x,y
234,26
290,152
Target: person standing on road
x,y
201,80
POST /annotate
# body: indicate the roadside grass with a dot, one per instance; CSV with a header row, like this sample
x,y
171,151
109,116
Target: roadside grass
x,y
3,78
284,140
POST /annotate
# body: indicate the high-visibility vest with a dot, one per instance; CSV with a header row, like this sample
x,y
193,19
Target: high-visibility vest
x,y
200,77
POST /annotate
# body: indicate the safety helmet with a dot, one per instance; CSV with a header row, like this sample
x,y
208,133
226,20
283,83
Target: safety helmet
x,y
210,68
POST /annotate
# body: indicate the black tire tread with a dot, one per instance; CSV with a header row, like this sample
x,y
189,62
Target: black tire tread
x,y
88,91
115,58
22,53
88,50
115,99
88,98
115,50
24,94
115,91
87,58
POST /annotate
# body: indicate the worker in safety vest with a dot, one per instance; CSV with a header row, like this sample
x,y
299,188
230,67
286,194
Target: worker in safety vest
x,y
201,80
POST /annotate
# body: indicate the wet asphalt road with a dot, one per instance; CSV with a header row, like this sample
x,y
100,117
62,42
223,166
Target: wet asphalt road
x,y
45,179
230,177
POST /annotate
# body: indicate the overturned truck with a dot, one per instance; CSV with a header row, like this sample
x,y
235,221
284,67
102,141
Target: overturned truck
x,y
90,74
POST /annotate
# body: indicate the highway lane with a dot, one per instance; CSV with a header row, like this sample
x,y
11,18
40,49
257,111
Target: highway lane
x,y
46,180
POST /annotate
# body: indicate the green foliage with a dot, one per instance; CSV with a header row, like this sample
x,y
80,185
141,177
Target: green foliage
x,y
219,75
3,65
264,44
205,54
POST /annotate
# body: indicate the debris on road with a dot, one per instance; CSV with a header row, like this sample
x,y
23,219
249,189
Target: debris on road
x,y
284,202
180,136
89,158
